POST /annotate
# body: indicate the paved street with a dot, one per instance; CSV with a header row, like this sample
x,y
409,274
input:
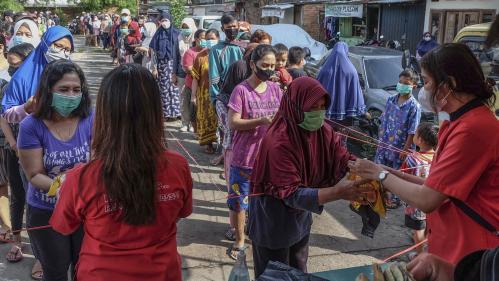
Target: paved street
x,y
335,239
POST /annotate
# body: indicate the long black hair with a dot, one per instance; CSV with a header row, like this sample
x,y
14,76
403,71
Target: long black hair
x,y
128,140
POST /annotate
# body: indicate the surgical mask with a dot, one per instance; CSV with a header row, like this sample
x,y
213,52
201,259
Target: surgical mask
x,y
263,74
125,18
211,43
166,24
424,99
186,32
19,39
404,89
203,43
12,70
239,34
313,120
427,38
124,30
54,54
231,33
64,105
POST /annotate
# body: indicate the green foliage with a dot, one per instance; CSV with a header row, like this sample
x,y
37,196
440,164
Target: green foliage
x,y
177,9
101,5
10,5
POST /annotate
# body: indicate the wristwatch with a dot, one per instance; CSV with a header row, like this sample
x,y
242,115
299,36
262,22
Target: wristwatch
x,y
382,176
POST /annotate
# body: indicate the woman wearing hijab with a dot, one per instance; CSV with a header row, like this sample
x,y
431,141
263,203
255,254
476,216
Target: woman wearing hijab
x,y
301,165
17,103
25,31
339,77
149,31
186,41
425,45
165,45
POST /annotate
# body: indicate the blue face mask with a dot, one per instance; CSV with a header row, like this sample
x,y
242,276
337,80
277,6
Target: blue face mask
x,y
203,43
211,43
404,89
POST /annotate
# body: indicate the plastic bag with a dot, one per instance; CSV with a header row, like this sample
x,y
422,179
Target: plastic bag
x,y
277,271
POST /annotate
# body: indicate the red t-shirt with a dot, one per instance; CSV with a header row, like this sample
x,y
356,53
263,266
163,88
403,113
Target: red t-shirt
x,y
113,250
188,60
466,167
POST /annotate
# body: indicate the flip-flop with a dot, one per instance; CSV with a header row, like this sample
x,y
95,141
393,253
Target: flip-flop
x,y
37,271
16,252
6,237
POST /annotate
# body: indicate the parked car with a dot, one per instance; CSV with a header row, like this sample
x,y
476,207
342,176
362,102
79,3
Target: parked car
x,y
378,70
474,37
281,33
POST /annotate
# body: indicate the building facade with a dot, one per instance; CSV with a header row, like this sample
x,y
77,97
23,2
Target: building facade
x,y
444,18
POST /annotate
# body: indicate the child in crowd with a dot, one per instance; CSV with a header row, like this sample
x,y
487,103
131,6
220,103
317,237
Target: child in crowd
x,y
398,126
426,138
282,75
296,61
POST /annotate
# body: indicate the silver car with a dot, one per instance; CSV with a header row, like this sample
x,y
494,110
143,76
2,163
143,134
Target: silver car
x,y
378,70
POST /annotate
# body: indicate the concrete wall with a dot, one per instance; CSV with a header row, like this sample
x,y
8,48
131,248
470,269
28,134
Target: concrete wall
x,y
459,5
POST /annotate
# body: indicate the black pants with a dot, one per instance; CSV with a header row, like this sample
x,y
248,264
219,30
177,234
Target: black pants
x,y
295,256
18,186
56,252
105,40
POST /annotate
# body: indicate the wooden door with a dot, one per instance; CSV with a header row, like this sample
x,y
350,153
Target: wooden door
x,y
468,18
451,26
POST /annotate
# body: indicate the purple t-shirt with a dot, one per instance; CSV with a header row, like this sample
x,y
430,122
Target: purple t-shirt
x,y
58,156
252,105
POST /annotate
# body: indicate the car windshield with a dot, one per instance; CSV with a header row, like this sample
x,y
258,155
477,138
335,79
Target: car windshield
x,y
383,73
208,22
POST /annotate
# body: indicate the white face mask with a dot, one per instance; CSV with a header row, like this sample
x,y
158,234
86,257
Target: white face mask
x,y
427,38
166,24
424,99
54,54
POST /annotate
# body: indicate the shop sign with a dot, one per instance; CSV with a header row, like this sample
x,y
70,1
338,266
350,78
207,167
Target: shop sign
x,y
344,10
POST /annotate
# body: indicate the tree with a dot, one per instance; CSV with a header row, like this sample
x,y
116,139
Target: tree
x,y
100,5
177,9
6,5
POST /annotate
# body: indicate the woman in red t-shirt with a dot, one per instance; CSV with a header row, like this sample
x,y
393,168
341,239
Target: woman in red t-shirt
x,y
465,167
131,195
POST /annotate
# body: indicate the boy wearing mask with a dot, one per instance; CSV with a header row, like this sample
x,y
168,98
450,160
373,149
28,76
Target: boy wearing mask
x,y
398,126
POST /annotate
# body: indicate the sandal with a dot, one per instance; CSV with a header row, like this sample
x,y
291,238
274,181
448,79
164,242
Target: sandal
x,y
15,254
233,251
230,234
222,176
37,271
209,150
6,237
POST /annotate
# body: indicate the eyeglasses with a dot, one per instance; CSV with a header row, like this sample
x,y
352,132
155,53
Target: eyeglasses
x,y
62,48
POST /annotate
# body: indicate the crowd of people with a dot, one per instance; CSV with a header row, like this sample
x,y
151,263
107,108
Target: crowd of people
x,y
104,193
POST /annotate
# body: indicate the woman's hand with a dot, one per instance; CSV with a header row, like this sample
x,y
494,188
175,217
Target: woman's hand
x,y
345,189
155,73
365,169
267,120
428,267
29,106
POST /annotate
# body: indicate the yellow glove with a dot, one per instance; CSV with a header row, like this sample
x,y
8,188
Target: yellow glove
x,y
56,184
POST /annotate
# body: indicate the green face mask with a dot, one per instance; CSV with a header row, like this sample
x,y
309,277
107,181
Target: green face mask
x,y
313,120
64,105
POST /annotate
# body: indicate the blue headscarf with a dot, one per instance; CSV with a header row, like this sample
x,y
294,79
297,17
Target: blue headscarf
x,y
25,81
424,46
339,77
164,40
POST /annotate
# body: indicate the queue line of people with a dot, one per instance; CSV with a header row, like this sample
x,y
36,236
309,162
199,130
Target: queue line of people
x,y
81,179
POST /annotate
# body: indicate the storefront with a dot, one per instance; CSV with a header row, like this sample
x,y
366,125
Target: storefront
x,y
351,20
445,18
279,13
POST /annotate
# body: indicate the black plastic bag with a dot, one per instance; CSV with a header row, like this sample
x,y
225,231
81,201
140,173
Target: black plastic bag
x,y
276,271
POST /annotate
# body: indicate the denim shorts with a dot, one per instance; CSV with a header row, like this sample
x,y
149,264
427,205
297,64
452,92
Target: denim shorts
x,y
239,189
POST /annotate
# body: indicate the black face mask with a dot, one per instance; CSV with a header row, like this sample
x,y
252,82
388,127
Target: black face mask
x,y
263,74
231,33
12,70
